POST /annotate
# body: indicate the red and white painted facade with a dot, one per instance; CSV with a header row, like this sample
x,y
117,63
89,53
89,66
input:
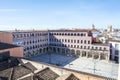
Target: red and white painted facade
x,y
70,42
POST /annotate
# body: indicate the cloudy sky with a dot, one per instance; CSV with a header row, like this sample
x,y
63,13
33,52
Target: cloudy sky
x,y
56,14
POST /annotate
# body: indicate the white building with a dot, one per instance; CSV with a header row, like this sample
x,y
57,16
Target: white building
x,y
114,49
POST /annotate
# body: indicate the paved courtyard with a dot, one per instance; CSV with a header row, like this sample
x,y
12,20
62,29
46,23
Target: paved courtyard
x,y
98,67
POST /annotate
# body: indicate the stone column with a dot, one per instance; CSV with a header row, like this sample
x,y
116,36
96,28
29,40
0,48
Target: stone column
x,y
107,58
56,50
65,51
60,50
93,55
80,53
75,52
42,50
99,56
87,54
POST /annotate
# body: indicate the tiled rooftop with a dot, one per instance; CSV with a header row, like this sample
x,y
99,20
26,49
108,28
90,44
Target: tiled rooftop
x,y
47,74
6,46
58,30
72,77
113,40
17,71
22,70
101,44
6,74
11,62
77,30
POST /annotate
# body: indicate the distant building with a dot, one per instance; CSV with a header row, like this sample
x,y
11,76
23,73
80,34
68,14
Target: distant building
x,y
114,49
93,26
109,29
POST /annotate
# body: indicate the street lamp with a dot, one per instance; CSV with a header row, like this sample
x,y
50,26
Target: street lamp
x,y
94,61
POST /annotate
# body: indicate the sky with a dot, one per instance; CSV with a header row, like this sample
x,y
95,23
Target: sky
x,y
58,14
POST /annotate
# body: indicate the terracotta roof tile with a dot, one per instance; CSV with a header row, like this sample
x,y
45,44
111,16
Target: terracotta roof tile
x,y
72,77
47,74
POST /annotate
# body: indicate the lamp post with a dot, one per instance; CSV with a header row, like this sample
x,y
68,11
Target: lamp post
x,y
94,69
94,61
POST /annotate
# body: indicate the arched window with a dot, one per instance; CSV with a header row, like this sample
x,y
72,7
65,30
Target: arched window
x,y
88,42
71,34
74,34
81,34
84,41
78,34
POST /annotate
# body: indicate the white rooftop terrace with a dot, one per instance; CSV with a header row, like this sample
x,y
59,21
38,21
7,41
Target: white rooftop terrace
x,y
88,65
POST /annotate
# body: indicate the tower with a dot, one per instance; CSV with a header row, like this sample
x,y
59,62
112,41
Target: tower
x,y
93,26
109,29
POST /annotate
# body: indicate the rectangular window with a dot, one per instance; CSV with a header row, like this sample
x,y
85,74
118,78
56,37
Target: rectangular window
x,y
65,40
100,48
81,41
104,48
116,46
71,41
62,40
68,40
88,42
116,52
77,41
84,47
88,47
74,41
84,41
74,46
96,48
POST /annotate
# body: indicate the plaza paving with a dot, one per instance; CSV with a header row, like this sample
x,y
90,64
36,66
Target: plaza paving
x,y
89,65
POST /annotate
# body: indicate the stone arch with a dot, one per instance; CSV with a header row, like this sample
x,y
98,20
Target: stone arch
x,y
96,55
44,50
47,49
78,53
33,53
67,51
63,51
40,50
54,49
83,53
103,56
89,54
37,52
72,52
58,50
50,49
